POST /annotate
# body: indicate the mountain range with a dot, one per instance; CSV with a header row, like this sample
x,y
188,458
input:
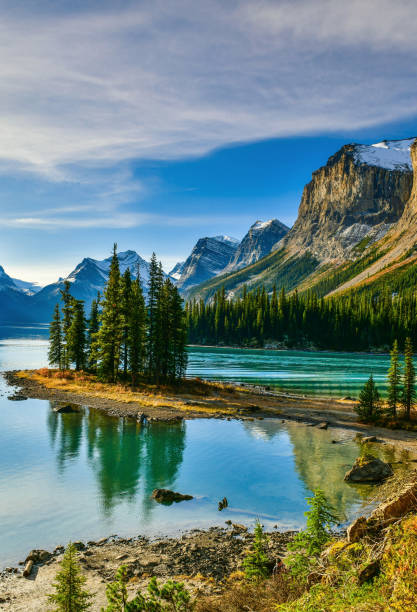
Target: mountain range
x,y
356,229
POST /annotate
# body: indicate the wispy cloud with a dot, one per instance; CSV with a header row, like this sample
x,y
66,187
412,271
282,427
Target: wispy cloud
x,y
165,80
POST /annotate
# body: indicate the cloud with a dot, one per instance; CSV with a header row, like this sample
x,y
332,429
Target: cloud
x,y
166,80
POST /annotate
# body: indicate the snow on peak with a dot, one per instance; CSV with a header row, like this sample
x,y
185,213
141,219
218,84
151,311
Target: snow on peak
x,y
389,154
259,225
229,239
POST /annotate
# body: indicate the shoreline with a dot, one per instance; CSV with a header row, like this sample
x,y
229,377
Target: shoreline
x,y
201,558
222,401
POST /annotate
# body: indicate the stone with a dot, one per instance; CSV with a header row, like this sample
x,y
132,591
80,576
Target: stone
x,y
79,545
368,439
239,528
65,409
323,425
368,469
17,397
28,568
140,417
38,556
166,496
369,571
357,529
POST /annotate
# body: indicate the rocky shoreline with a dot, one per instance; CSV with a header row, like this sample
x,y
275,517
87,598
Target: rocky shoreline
x,y
202,558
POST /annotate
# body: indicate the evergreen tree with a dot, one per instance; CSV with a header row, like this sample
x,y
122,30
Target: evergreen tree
x,y
76,336
109,337
394,381
369,408
154,336
55,340
67,312
126,290
69,594
93,327
256,563
409,384
136,331
179,336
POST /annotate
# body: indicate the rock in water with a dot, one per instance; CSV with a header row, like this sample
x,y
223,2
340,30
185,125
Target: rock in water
x,y
165,496
368,469
65,408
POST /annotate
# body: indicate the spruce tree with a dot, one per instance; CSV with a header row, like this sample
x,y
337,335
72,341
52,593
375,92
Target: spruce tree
x,y
76,336
126,289
409,388
67,312
93,327
256,563
154,336
55,340
179,336
394,381
109,337
369,408
70,595
136,331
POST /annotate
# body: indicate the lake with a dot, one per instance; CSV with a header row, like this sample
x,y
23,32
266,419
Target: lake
x,y
86,475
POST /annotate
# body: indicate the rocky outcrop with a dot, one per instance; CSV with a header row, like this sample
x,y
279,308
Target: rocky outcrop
x,y
355,195
368,469
258,242
165,496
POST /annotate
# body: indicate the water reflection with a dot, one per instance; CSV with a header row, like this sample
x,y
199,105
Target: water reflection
x,y
121,453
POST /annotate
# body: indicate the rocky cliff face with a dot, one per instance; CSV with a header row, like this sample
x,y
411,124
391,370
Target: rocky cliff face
x,y
257,243
360,193
208,258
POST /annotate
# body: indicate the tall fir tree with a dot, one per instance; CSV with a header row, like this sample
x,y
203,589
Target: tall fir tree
x,y
136,331
154,335
93,327
409,382
109,337
76,343
70,595
55,340
179,336
125,291
369,408
67,312
394,381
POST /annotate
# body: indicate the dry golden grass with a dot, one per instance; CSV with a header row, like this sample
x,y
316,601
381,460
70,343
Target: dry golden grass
x,y
190,395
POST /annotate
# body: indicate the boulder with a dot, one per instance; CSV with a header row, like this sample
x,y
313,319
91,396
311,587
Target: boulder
x,y
165,496
369,571
357,530
38,556
65,409
368,439
323,425
397,506
368,469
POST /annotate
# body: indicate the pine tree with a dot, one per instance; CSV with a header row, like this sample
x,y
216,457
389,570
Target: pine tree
x,y
256,563
67,312
394,381
369,408
69,594
409,389
55,340
179,336
93,328
126,289
76,336
109,337
136,331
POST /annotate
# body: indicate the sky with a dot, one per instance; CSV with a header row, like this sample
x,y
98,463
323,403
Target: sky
x,y
152,124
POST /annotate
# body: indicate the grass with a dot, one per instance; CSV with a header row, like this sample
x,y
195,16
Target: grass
x,y
190,395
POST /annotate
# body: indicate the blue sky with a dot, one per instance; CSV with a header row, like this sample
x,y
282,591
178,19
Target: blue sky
x,y
153,123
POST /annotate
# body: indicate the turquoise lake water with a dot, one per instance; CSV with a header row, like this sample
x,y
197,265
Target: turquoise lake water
x,y
85,475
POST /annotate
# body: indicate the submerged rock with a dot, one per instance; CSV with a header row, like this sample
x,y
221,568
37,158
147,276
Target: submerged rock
x,y
65,408
368,469
165,496
17,397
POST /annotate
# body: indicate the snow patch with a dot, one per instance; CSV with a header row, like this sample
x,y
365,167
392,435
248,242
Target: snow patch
x,y
388,154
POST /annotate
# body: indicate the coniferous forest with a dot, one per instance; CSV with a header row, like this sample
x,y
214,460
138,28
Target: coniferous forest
x,y
350,322
126,337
